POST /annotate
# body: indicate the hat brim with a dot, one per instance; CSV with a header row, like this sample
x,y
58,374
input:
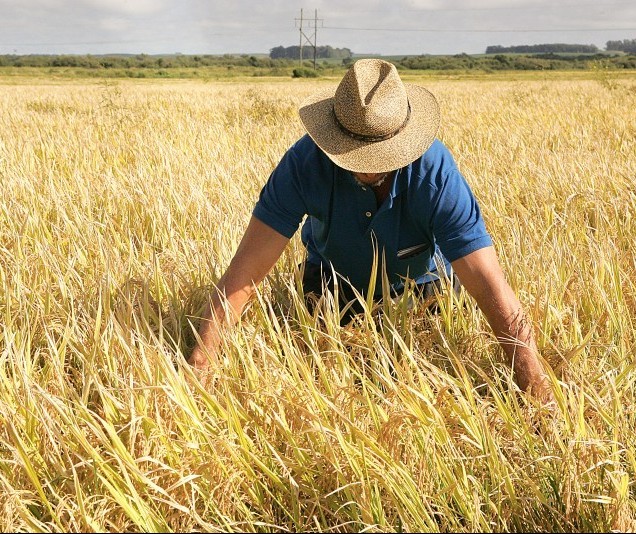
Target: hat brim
x,y
351,154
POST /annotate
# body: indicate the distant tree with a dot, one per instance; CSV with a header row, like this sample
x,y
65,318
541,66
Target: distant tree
x,y
322,52
626,45
277,52
555,48
143,65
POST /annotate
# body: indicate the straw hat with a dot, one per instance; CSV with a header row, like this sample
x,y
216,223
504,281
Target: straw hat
x,y
373,122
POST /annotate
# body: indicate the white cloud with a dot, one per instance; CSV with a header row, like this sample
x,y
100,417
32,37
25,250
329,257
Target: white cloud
x,y
126,7
114,24
477,5
237,26
32,4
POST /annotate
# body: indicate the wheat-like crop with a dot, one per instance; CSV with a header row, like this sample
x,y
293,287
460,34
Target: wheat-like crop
x,y
122,203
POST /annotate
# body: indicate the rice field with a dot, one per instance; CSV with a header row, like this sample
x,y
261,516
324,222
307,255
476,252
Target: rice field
x,y
121,204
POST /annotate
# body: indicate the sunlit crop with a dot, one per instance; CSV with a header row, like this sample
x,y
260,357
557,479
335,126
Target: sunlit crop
x,y
122,203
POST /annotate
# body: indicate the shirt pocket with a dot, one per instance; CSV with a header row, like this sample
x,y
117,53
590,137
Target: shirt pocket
x,y
408,252
412,260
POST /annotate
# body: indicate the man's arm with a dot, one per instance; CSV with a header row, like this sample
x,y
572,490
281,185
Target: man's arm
x,y
481,275
260,248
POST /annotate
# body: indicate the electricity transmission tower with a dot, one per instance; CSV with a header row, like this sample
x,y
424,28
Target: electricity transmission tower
x,y
312,24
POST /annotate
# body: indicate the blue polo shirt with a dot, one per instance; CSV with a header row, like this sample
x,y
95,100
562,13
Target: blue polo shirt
x,y
430,209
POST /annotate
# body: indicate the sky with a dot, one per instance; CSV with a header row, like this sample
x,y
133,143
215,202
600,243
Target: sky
x,y
383,27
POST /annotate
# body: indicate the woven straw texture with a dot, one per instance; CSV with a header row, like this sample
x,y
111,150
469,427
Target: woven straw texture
x,y
372,102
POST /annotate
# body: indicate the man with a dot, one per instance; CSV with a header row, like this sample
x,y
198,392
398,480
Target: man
x,y
373,180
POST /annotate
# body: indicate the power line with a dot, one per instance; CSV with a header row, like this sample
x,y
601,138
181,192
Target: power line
x,y
545,7
437,30
92,42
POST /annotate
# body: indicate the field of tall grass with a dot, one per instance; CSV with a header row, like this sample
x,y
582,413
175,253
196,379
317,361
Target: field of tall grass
x,y
121,204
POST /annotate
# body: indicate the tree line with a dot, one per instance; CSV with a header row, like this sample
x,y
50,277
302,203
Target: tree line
x,y
322,52
626,45
142,65
496,62
139,61
556,48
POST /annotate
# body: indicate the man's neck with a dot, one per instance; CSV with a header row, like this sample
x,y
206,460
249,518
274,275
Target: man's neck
x,y
384,189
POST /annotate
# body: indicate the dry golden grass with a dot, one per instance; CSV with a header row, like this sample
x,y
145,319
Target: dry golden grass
x,y
122,203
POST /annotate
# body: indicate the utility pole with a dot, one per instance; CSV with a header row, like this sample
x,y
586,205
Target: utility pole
x,y
301,38
315,35
311,40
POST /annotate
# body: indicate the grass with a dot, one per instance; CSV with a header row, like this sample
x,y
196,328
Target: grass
x,y
330,70
122,203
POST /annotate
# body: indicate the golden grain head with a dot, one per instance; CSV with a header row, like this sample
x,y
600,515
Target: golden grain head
x,y
122,203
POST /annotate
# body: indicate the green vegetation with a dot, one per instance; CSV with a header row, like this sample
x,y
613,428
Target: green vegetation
x,y
305,73
231,66
140,61
558,48
626,45
322,52
517,62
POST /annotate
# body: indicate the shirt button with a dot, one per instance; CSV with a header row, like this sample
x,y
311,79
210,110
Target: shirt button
x,y
364,188
368,214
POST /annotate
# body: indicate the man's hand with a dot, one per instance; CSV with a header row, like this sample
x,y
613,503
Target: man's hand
x,y
205,353
537,384
260,248
481,275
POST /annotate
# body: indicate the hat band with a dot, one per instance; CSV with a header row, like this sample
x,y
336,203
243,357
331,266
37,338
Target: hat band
x,y
372,138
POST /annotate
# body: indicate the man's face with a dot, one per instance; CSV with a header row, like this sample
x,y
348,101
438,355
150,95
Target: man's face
x,y
371,179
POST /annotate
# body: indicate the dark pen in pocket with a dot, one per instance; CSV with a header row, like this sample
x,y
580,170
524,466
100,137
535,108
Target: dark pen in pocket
x,y
408,252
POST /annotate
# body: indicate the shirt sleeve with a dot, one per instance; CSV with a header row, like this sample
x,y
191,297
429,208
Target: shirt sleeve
x,y
281,205
458,226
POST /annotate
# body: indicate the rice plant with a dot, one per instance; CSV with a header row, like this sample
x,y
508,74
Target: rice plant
x,y
121,204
